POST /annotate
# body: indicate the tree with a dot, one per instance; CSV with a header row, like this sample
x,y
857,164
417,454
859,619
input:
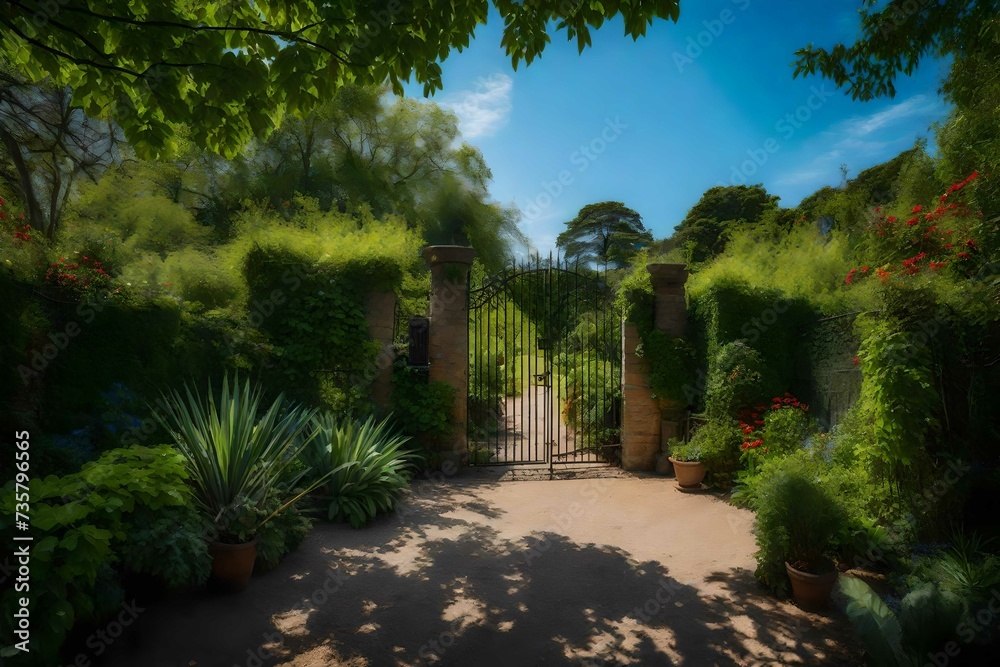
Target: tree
x,y
608,232
51,145
232,70
895,36
704,231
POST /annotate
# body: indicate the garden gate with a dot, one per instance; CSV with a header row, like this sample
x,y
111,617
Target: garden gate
x,y
544,366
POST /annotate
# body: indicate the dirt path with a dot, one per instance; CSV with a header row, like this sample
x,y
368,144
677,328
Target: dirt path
x,y
476,571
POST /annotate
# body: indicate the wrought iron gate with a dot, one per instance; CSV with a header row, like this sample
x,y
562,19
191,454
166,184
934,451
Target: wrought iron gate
x,y
544,366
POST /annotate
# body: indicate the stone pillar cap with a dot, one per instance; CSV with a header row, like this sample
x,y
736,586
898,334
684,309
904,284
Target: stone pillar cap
x,y
665,274
449,254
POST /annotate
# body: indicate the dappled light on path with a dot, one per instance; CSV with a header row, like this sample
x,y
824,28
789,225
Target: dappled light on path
x,y
477,572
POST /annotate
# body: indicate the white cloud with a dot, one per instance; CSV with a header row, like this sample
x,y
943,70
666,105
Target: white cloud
x,y
485,109
918,105
865,138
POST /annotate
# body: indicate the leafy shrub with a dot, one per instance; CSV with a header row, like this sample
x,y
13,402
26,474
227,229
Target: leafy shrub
x,y
202,277
592,398
281,535
239,463
928,619
422,408
169,544
718,440
93,520
362,466
314,313
965,568
672,364
734,380
798,521
684,451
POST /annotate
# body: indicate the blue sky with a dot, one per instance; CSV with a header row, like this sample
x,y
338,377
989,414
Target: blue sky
x,y
709,100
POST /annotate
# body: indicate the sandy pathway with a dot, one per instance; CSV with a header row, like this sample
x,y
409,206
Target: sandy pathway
x,y
473,571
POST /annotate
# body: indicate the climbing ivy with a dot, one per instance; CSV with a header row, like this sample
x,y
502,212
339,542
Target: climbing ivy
x,y
314,314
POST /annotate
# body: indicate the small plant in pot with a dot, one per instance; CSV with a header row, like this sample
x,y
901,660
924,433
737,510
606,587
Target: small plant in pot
x,y
797,523
688,468
240,459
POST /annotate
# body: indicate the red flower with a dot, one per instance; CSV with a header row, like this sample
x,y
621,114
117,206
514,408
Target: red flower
x,y
856,361
912,221
917,209
864,269
891,218
963,255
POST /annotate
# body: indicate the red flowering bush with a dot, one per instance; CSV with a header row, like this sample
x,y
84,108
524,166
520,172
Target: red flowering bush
x,y
780,427
80,273
925,242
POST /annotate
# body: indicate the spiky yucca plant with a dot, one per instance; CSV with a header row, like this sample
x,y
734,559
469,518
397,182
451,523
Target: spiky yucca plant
x,y
364,463
239,456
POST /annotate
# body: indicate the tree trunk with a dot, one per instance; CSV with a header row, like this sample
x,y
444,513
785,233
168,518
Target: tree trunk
x,y
35,216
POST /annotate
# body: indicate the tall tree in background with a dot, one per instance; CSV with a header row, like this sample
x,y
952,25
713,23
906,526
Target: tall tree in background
x,y
607,233
233,70
705,230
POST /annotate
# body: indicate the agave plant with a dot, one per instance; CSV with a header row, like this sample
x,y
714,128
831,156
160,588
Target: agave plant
x,y
240,458
363,464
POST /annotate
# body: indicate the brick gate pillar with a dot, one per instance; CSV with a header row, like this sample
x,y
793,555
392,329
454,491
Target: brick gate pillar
x,y
448,336
647,421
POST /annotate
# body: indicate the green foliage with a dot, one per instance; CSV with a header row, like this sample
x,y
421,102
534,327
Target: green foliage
x,y
422,408
672,363
605,233
893,41
361,466
928,619
239,457
798,521
591,399
786,430
315,316
170,545
897,392
95,519
684,451
801,265
281,535
718,440
965,568
705,231
269,59
734,380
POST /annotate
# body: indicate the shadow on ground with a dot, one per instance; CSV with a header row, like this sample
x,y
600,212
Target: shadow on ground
x,y
439,584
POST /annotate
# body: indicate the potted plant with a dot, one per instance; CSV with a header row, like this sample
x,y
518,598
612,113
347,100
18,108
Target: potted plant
x,y
240,459
797,523
688,468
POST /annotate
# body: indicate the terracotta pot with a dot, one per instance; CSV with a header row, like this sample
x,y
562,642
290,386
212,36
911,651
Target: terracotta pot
x,y
689,473
811,592
232,564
